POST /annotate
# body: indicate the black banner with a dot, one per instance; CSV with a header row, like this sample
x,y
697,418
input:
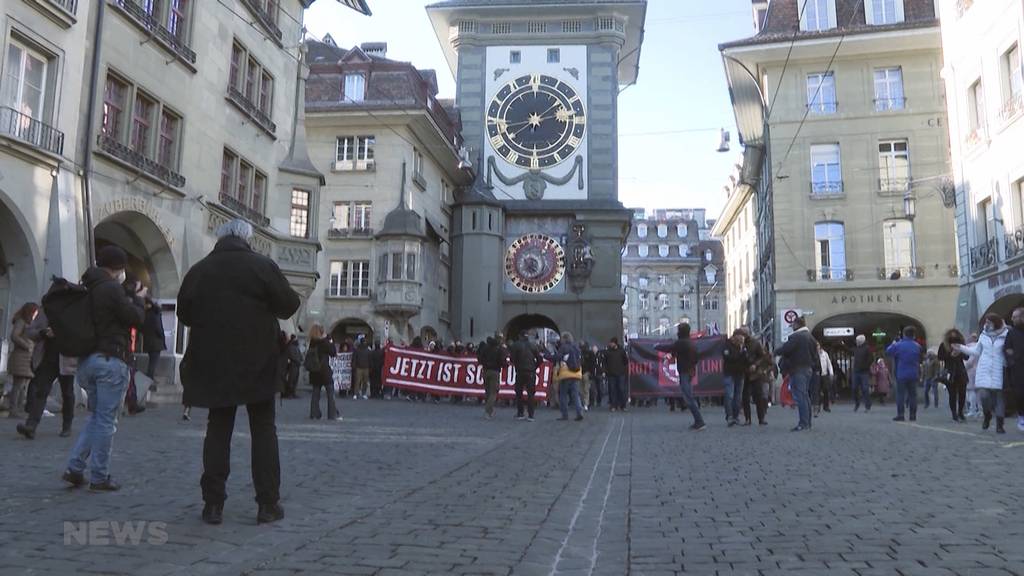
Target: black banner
x,y
653,373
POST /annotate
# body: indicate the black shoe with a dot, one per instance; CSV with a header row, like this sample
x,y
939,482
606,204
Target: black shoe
x,y
269,513
899,419
107,485
987,422
213,513
913,418
579,417
76,479
798,429
520,417
698,427
65,432
763,423
999,426
26,431
828,409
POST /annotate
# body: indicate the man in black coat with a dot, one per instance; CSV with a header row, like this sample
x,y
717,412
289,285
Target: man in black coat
x,y
525,358
153,336
616,365
294,366
801,354
686,365
232,301
1015,361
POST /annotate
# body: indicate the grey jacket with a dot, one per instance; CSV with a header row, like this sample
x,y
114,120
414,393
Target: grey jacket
x,y
36,332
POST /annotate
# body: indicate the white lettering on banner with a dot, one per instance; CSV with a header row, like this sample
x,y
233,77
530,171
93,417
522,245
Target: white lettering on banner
x,y
341,371
423,371
140,206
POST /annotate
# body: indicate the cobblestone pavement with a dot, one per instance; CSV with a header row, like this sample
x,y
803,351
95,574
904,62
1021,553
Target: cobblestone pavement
x,y
402,489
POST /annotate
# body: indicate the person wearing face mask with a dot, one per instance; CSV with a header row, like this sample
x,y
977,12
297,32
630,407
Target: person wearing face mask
x,y
988,380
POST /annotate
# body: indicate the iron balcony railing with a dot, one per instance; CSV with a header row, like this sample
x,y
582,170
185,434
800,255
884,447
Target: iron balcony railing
x,y
901,273
894,184
118,150
827,188
69,6
983,256
336,233
244,210
1012,107
152,24
1013,244
251,110
830,274
27,129
886,104
264,18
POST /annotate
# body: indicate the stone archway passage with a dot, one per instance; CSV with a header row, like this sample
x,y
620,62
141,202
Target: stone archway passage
x,y
1005,306
19,277
150,257
525,322
351,329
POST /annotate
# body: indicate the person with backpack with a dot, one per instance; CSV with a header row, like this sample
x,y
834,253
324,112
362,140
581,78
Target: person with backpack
x,y
318,363
686,366
570,373
103,370
493,357
48,364
19,364
233,301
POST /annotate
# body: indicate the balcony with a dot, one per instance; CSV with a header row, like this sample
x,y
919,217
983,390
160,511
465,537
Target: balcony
x,y
341,233
827,189
890,104
244,210
167,39
983,256
265,19
22,127
895,186
1012,108
829,274
1013,244
901,273
249,108
136,160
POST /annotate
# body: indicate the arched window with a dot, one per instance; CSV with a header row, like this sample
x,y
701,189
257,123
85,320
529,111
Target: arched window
x,y
663,301
663,250
641,230
681,230
662,230
642,250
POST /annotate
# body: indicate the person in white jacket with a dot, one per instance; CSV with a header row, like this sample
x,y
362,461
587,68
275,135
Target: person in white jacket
x,y
827,377
988,380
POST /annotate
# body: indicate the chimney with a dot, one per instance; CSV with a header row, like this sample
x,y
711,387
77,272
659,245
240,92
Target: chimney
x,y
760,12
378,49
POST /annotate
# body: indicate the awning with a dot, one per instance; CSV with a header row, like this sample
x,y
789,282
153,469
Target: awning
x,y
747,101
357,5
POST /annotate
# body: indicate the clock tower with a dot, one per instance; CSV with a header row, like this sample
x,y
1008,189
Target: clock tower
x,y
537,239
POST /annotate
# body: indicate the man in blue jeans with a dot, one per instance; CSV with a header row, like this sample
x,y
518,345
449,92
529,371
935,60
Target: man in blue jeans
x,y
103,374
686,365
907,355
800,352
734,358
862,360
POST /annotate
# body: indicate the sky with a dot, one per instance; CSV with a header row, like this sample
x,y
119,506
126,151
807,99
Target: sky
x,y
669,121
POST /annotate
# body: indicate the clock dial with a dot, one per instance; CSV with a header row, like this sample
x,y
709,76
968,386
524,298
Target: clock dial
x,y
535,263
536,121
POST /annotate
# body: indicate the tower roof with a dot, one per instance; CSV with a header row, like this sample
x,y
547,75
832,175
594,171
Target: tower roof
x,y
402,221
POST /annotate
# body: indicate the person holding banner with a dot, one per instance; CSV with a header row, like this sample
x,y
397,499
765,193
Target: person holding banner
x,y
493,356
525,359
616,363
686,365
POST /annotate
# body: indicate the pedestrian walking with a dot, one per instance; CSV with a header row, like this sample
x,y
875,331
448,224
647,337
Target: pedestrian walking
x,y
930,375
153,336
48,365
361,370
598,388
525,359
906,355
570,372
294,355
19,362
973,407
616,365
321,377
588,383
493,357
103,373
800,354
1015,360
881,377
735,366
823,400
760,371
232,300
990,350
686,366
954,373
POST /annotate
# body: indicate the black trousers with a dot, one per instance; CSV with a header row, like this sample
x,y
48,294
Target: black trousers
x,y
154,359
957,397
525,383
292,384
266,464
39,390
754,391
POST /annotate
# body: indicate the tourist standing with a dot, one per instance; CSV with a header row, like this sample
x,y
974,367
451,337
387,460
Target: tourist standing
x,y
103,373
686,366
493,356
19,363
232,300
294,366
760,371
570,372
1015,359
48,364
882,380
861,381
153,336
735,366
589,382
616,365
525,359
824,396
321,376
990,350
954,373
800,353
361,370
906,355
930,375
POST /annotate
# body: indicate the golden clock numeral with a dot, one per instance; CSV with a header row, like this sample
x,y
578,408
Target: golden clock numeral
x,y
512,86
573,141
580,120
496,141
535,81
575,98
558,157
512,157
534,162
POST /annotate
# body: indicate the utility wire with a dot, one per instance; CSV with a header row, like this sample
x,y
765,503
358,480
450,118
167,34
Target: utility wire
x,y
789,53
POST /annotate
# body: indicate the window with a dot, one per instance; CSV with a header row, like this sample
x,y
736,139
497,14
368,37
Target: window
x,y
354,152
663,250
417,163
227,172
350,278
663,301
641,230
881,12
681,230
830,250
242,183
1013,75
259,191
684,251
299,226
976,108
662,230
251,72
235,67
684,301
642,250
645,301
663,326
554,55
826,174
355,87
404,262
624,279
361,213
515,57
114,104
898,242
352,215
25,77
177,18
987,226
707,255
818,15
711,302
167,149
643,282
889,89
249,79
662,280
821,93
446,194
645,325
142,119
266,92
151,7
893,166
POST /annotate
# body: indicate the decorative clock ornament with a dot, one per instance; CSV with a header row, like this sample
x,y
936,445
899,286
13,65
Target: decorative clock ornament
x,y
535,263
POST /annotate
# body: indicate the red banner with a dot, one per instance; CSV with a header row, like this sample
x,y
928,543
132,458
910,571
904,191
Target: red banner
x,y
422,371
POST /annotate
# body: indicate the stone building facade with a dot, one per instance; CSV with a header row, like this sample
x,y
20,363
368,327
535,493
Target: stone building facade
x,y
736,228
673,272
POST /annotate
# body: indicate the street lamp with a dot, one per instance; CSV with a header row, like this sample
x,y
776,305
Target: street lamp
x,y
909,206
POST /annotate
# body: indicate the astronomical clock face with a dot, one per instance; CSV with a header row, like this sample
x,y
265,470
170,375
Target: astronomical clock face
x,y
536,121
535,263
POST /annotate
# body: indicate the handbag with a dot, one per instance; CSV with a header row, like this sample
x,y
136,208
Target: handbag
x,y
565,373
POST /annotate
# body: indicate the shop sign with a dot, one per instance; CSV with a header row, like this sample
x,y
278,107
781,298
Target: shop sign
x,y
1004,278
838,332
876,298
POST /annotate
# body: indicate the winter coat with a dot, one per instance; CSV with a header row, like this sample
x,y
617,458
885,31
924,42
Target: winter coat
x,y
36,331
825,363
1015,357
953,362
685,353
615,361
761,366
19,363
906,355
880,373
325,350
492,355
361,357
115,312
153,330
232,300
734,360
525,356
862,360
800,351
991,361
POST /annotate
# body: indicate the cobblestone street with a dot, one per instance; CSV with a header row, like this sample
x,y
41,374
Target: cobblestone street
x,y
400,488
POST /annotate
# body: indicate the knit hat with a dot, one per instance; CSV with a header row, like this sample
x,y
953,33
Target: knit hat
x,y
112,258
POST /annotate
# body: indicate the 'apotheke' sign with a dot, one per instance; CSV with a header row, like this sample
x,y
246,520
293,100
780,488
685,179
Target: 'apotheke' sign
x,y
869,298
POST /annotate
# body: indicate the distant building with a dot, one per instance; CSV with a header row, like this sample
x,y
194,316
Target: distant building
x,y
840,110
985,95
672,273
736,229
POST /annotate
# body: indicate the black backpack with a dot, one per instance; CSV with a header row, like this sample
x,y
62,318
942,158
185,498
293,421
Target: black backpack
x,y
312,361
68,308
572,359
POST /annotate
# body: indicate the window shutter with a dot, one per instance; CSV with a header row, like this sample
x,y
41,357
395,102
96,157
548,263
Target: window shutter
x,y
803,13
869,12
832,13
899,10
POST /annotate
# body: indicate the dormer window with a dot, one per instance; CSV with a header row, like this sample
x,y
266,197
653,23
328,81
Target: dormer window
x,y
641,230
681,230
818,15
355,87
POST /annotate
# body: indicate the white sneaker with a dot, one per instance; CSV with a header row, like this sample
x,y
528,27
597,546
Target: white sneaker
x,y
338,419
365,397
354,397
47,413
